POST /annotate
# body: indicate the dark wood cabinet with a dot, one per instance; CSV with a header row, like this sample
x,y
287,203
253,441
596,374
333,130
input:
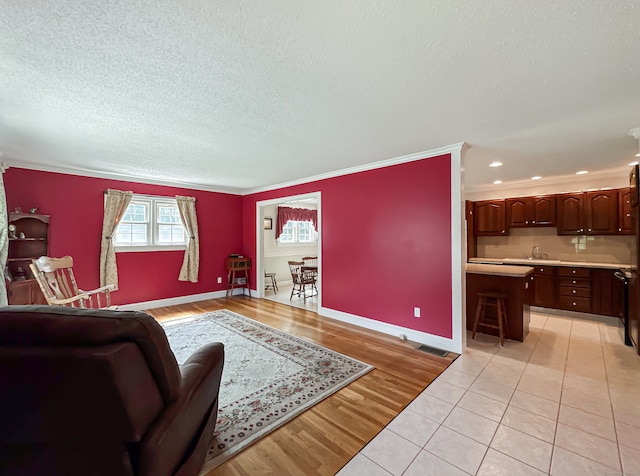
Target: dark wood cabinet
x,y
624,212
489,218
28,239
472,246
608,293
238,275
570,214
574,289
531,211
601,212
543,286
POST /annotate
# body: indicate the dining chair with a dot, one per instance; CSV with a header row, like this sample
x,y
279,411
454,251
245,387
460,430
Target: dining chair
x,y
270,282
301,280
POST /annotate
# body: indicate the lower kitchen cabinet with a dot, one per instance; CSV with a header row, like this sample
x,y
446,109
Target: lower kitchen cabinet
x,y
543,286
608,295
574,289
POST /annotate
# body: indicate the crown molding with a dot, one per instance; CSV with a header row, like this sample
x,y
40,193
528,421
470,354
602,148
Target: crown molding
x,y
449,149
122,177
577,180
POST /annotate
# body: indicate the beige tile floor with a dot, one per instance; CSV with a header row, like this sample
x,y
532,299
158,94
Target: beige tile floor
x,y
564,402
283,296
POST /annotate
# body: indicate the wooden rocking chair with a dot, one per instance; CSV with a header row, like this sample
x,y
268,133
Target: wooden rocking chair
x,y
58,284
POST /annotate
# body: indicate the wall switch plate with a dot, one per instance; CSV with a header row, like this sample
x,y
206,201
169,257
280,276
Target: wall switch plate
x,y
219,279
416,312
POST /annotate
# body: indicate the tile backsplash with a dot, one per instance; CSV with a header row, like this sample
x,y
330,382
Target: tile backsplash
x,y
596,249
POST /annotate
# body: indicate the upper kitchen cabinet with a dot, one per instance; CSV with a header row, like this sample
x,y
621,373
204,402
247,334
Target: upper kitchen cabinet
x,y
531,211
601,212
624,212
570,211
588,213
489,218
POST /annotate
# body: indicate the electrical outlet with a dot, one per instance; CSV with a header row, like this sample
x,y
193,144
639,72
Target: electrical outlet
x,y
416,312
219,279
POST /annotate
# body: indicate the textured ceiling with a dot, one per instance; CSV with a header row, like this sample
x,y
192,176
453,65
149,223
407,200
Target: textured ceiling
x,y
239,95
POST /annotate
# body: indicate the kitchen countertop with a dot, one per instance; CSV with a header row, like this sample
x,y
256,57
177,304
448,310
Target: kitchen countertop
x,y
547,262
499,269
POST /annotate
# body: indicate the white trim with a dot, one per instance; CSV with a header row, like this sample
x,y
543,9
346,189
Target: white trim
x,y
573,179
450,149
127,178
260,238
139,306
233,190
390,329
138,249
458,254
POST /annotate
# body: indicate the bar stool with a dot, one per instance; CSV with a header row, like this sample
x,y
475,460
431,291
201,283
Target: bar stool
x,y
273,285
497,300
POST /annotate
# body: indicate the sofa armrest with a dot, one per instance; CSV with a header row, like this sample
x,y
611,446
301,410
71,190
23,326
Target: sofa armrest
x,y
168,442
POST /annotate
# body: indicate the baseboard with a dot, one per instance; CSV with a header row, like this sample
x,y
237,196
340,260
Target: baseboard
x,y
140,306
391,329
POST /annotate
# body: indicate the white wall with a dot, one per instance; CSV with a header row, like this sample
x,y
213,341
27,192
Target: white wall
x,y
277,255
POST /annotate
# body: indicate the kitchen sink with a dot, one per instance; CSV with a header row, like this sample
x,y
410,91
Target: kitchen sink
x,y
531,260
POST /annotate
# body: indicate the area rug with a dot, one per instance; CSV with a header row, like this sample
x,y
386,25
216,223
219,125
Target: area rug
x,y
269,376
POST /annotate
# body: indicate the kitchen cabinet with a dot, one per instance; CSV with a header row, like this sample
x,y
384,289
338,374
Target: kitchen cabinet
x,y
624,212
489,218
601,212
531,211
543,286
608,293
472,246
588,213
574,289
570,214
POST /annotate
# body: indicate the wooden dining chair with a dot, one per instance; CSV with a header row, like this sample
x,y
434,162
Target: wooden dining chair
x,y
58,284
301,280
311,262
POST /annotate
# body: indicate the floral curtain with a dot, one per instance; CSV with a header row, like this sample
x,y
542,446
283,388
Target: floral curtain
x,y
115,205
191,262
4,234
295,214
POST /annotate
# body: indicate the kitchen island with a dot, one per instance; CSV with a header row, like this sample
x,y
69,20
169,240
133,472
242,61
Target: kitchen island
x,y
508,279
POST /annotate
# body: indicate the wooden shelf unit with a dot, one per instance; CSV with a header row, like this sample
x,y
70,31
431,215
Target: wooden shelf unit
x,y
238,275
23,288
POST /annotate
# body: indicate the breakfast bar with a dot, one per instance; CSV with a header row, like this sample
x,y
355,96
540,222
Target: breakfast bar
x,y
508,279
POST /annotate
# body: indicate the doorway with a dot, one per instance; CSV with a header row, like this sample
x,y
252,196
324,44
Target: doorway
x,y
273,254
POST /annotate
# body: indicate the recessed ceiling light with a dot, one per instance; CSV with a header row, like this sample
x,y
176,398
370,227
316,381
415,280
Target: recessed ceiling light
x,y
495,164
536,177
497,182
582,172
635,162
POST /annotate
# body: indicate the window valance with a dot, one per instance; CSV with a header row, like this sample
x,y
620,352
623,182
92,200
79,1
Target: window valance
x,y
295,214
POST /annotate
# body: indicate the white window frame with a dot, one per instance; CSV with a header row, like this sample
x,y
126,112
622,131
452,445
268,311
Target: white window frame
x,y
152,203
296,235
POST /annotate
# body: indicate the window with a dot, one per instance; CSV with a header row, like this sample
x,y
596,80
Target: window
x,y
150,224
298,232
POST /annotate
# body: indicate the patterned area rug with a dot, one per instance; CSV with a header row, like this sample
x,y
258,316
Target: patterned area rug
x,y
269,376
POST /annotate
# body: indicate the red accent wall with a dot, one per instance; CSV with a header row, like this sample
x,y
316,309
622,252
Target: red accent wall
x,y
76,207
386,242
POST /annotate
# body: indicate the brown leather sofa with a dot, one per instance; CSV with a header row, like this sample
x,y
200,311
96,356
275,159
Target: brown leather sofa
x,y
96,392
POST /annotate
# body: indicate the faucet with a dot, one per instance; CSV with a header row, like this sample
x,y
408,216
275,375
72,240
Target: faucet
x,y
535,252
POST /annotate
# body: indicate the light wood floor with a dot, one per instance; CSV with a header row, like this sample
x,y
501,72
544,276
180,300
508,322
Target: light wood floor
x,y
325,437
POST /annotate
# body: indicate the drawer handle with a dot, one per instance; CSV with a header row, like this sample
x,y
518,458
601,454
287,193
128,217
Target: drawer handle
x,y
574,281
574,271
574,291
541,270
574,304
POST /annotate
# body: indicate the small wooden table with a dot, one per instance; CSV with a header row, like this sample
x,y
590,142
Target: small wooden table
x,y
242,266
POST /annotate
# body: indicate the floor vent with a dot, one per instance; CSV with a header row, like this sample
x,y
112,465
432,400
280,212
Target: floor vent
x,y
433,350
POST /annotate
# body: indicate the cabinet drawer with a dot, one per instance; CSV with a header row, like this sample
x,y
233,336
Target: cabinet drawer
x,y
580,304
574,291
577,272
576,283
546,270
